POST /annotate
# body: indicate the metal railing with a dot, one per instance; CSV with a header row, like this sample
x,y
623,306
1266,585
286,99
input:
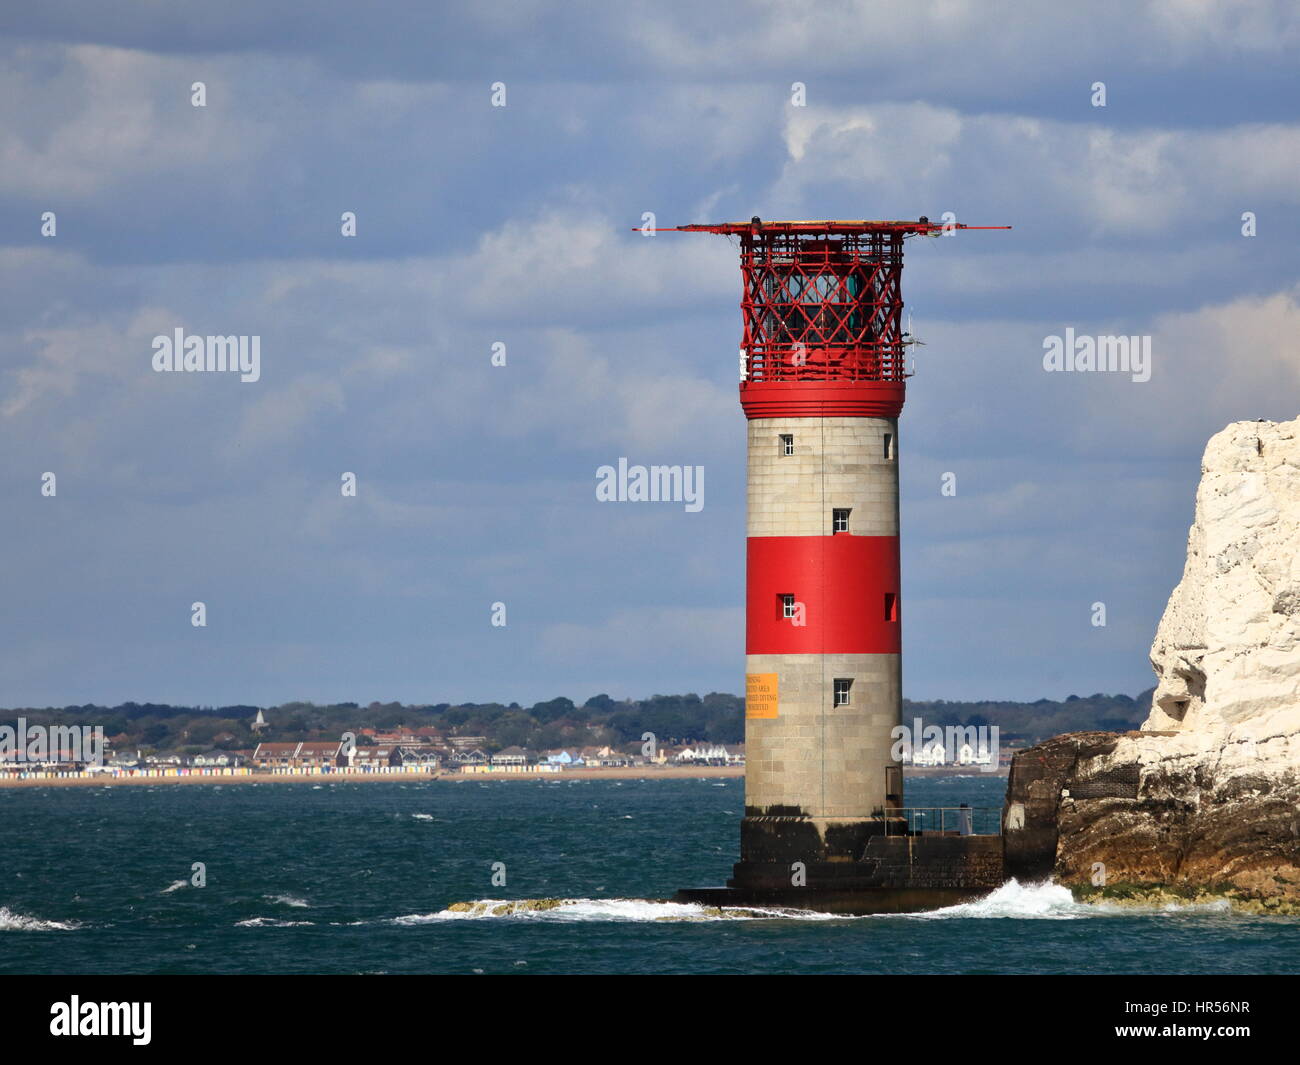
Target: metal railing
x,y
944,820
788,360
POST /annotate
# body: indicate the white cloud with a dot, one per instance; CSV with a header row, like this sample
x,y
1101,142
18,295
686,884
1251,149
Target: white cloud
x,y
1234,361
620,398
576,264
1084,175
113,115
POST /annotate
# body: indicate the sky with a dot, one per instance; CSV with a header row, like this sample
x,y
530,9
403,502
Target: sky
x,y
479,225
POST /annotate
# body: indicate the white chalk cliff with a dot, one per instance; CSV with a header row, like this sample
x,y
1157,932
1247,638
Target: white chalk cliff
x,y
1227,651
1207,795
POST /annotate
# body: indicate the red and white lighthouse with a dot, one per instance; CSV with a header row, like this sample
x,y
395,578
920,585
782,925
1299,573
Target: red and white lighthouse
x,y
822,381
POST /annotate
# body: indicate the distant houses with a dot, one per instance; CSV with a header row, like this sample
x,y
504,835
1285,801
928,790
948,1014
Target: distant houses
x,y
51,761
218,758
381,756
404,737
428,759
518,759
393,750
512,760
299,754
935,755
332,754
710,754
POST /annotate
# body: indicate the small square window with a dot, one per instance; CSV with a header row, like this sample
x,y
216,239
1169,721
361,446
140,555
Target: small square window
x,y
891,606
842,687
787,443
889,446
840,520
787,606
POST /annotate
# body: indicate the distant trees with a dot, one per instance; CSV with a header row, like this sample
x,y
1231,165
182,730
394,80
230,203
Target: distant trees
x,y
600,721
1032,722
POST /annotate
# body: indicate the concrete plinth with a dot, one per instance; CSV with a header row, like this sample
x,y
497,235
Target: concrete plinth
x,y
892,874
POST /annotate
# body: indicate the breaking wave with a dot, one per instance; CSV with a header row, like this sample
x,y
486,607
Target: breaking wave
x,y
600,910
1013,900
1034,901
270,922
19,922
287,900
1054,902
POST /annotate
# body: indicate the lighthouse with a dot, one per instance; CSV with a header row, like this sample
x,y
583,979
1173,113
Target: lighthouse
x,y
823,371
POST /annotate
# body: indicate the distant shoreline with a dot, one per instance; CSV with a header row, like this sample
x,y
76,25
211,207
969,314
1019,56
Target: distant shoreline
x,y
611,773
621,773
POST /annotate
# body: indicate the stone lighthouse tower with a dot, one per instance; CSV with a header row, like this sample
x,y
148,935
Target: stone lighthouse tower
x,y
822,380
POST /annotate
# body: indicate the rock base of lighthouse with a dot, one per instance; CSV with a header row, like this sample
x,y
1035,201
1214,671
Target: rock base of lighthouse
x,y
889,874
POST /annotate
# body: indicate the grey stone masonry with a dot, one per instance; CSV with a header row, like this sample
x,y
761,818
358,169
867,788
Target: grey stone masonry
x,y
821,759
837,463
825,760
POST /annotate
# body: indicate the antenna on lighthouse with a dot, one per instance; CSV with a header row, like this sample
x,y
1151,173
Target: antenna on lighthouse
x,y
909,337
912,341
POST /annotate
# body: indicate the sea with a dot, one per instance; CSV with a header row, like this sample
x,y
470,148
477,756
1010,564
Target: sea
x,y
361,877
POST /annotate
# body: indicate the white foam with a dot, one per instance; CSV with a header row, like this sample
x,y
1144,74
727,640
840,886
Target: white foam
x,y
580,910
20,922
175,885
1044,901
1013,900
287,900
1054,902
270,922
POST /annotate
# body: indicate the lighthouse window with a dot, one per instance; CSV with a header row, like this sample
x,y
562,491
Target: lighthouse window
x,y
891,606
889,446
787,444
840,520
842,686
787,606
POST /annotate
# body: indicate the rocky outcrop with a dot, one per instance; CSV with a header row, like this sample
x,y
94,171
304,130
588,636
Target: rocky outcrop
x,y
1207,796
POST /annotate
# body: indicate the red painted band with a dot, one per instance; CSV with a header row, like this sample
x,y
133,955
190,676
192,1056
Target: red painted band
x,y
847,586
822,399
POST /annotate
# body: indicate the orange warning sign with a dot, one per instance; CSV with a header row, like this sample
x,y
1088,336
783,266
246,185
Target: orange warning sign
x,y
761,695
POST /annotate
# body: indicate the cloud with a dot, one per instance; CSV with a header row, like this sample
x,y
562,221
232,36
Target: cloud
x,y
481,225
112,116
1088,178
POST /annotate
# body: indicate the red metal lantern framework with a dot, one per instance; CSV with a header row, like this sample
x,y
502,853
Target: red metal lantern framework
x,y
822,304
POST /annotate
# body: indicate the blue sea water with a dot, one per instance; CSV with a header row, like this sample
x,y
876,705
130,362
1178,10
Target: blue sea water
x,y
357,878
